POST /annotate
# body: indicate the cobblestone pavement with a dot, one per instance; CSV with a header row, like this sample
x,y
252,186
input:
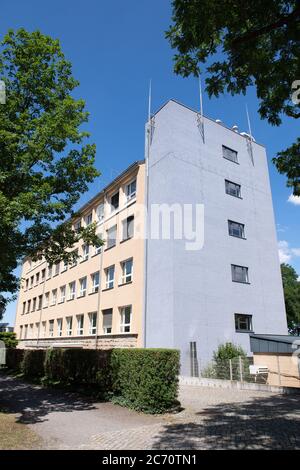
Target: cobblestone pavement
x,y
212,418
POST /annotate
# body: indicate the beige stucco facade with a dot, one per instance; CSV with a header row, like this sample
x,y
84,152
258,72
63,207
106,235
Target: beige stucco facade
x,y
48,300
283,369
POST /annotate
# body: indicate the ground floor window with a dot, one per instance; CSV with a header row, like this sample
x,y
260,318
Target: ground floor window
x,y
51,328
93,323
59,326
107,320
80,320
243,322
125,319
69,326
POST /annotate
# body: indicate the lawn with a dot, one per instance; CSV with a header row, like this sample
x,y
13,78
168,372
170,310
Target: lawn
x,y
14,435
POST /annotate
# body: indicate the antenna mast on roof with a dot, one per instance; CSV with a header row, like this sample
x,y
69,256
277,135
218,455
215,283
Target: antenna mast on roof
x,y
250,138
200,121
150,127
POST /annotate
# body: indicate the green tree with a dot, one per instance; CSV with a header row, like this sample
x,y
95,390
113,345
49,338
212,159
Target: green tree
x,y
9,339
291,287
45,163
242,44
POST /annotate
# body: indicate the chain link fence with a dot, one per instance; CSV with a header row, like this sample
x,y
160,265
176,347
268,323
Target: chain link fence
x,y
237,368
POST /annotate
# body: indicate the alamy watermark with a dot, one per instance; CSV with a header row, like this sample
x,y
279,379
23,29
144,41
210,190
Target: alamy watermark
x,y
296,92
2,92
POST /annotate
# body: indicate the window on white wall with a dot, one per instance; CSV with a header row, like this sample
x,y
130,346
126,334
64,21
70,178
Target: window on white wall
x,y
236,229
243,322
233,189
230,154
239,273
100,212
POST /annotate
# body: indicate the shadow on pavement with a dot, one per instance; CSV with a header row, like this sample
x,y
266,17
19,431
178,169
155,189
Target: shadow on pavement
x,y
260,423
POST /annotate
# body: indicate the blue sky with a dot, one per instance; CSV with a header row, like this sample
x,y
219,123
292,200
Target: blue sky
x,y
115,47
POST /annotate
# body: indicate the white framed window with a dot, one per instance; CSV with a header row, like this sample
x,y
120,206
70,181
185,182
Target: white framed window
x,y
233,189
109,276
54,297
85,252
43,329
243,322
49,271
125,323
80,324
56,270
75,259
27,284
64,266
24,308
88,219
59,326
77,226
111,236
40,302
98,249
62,294
114,202
100,212
47,296
25,331
43,275
31,330
128,227
51,328
31,281
69,321
230,154
235,229
37,278
72,287
127,268
131,190
33,304
93,323
82,286
95,282
239,274
28,306
37,327
107,320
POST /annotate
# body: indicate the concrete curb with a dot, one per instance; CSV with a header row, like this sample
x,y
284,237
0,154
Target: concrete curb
x,y
217,383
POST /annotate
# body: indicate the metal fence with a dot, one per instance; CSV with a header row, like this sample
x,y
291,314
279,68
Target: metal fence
x,y
237,369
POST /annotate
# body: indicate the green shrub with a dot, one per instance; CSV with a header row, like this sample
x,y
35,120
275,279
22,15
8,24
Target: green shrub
x,y
14,358
145,379
32,364
9,338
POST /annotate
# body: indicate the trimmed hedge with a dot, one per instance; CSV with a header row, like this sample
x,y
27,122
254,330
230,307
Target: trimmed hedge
x,y
145,379
142,379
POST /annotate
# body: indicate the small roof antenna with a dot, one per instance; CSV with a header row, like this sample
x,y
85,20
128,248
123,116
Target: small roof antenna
x,y
200,121
250,138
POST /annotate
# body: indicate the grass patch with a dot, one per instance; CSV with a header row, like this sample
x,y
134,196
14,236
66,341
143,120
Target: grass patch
x,y
14,435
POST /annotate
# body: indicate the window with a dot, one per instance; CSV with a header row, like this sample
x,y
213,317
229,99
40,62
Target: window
x,y
111,236
128,228
236,229
54,297
49,271
43,332
77,226
24,308
230,154
233,189
37,278
25,331
69,325
131,190
243,322
33,304
80,320
82,286
28,306
59,326
72,286
93,323
47,295
239,273
51,327
107,320
40,302
88,219
85,252
114,202
95,282
64,266
56,269
21,331
62,294
31,330
110,274
127,271
75,258
37,329
125,319
27,283
100,212
31,281
43,275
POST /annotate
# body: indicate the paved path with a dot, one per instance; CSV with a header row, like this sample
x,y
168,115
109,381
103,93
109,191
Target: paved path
x,y
211,419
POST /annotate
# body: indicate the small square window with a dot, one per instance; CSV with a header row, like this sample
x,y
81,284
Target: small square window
x,y
229,154
236,229
239,273
243,322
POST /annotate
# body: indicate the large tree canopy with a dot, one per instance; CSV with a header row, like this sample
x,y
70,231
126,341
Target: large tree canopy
x,y
291,287
44,163
240,44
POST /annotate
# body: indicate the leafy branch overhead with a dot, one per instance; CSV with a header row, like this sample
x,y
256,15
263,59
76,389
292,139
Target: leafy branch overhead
x,y
45,163
239,44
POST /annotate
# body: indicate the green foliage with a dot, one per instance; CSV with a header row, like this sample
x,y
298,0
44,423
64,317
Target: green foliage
x,y
291,288
220,366
45,164
145,379
14,358
228,351
9,338
242,44
32,365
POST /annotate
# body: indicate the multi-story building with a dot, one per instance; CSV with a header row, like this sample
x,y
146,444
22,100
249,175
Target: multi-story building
x,y
192,289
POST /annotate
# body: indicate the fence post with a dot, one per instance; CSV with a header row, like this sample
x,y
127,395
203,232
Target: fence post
x,y
230,369
278,370
241,368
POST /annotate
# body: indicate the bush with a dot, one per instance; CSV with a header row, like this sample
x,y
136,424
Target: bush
x,y
220,367
14,358
32,365
9,338
145,379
